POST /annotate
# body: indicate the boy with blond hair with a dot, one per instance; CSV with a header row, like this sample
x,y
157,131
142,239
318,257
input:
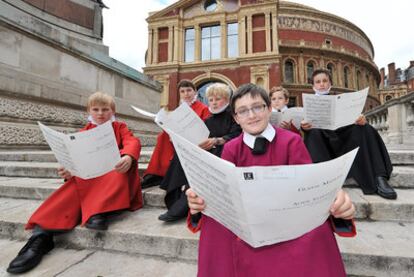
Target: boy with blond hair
x,y
86,202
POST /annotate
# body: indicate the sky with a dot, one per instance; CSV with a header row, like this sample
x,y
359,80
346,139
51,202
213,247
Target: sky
x,y
386,23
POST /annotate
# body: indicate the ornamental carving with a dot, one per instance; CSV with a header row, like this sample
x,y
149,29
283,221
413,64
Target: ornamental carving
x,y
313,25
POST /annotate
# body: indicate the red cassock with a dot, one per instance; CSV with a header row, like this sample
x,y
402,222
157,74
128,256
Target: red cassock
x,y
78,199
164,149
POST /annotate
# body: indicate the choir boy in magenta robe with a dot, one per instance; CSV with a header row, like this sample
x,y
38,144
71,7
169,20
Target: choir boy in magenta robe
x,y
279,97
164,150
86,202
372,165
222,129
223,254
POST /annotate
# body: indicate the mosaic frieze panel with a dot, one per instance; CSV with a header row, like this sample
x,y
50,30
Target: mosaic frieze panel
x,y
313,25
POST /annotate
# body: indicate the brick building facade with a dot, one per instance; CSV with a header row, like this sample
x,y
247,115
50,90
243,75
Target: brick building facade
x,y
397,83
267,42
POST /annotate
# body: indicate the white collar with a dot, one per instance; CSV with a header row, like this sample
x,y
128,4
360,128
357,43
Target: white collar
x,y
269,133
282,109
90,119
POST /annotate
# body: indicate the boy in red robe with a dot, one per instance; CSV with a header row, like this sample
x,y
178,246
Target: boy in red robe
x,y
279,97
221,253
87,202
164,150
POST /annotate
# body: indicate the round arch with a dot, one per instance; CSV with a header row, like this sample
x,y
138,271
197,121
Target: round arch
x,y
207,77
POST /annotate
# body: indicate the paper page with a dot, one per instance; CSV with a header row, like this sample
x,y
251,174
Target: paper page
x,y
285,202
57,142
86,154
213,180
143,112
349,107
184,122
275,118
95,152
295,114
319,110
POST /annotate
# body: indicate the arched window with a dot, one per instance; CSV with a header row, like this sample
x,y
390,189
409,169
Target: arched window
x,y
289,71
358,80
310,67
331,69
346,77
260,82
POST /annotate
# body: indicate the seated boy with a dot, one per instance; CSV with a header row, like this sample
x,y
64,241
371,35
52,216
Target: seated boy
x,y
372,166
221,252
279,97
85,201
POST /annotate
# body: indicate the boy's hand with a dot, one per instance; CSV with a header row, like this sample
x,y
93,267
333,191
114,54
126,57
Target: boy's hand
x,y
195,203
124,164
286,124
343,206
63,173
305,125
208,143
361,120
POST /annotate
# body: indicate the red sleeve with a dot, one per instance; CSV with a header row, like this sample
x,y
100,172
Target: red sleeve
x,y
130,144
298,154
194,225
343,227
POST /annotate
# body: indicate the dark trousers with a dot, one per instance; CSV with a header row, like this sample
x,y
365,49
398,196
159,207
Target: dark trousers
x,y
371,161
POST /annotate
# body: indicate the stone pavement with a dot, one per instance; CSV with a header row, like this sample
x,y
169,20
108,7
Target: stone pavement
x,y
138,244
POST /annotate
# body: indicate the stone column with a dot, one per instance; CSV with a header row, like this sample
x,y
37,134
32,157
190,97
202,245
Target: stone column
x,y
170,43
268,32
275,36
197,50
177,43
242,36
249,34
149,51
223,34
155,47
301,69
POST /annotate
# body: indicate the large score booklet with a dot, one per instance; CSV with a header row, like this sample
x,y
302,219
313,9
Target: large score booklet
x,y
333,111
263,205
86,154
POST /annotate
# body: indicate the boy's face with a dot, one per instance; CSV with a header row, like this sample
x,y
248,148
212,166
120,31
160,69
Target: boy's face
x,y
216,102
278,100
252,114
321,82
187,94
100,113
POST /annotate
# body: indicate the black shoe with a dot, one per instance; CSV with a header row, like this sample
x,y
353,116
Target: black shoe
x,y
31,254
150,180
169,218
97,222
384,189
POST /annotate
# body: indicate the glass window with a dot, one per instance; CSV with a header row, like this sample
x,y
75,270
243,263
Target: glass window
x,y
309,71
210,5
289,69
232,40
210,43
358,80
189,45
346,75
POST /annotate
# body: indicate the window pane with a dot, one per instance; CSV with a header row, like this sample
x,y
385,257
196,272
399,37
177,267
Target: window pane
x,y
309,72
233,46
215,48
215,31
189,34
189,51
232,28
205,49
289,72
205,32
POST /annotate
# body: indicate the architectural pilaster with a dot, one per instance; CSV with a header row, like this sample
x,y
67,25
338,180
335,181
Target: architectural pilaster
x,y
268,32
149,50
249,34
155,47
170,43
275,36
223,26
197,50
242,36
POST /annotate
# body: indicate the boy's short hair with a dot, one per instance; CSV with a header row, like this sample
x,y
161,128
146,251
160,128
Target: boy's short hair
x,y
218,90
282,89
324,71
251,89
185,83
100,98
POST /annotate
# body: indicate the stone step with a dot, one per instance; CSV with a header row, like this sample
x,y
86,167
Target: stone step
x,y
41,188
370,207
38,169
48,156
379,249
402,157
401,177
71,262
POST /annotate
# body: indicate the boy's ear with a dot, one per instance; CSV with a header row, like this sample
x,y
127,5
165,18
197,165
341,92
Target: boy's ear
x,y
235,119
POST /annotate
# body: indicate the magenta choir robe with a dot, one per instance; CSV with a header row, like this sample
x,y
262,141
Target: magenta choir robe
x,y
223,254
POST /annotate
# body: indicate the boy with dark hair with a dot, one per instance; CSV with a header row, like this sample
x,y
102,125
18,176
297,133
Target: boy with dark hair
x,y
372,166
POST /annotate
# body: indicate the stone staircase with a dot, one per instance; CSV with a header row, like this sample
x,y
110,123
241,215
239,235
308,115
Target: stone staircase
x,y
138,244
